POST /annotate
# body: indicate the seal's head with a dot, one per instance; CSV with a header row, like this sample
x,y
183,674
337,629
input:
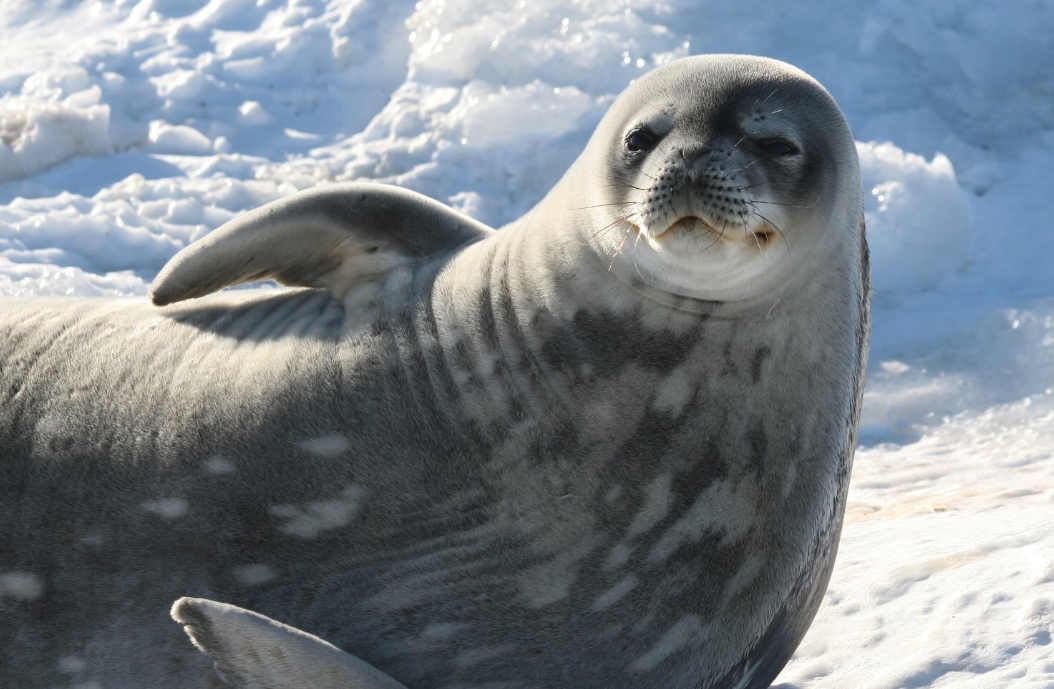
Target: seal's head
x,y
719,178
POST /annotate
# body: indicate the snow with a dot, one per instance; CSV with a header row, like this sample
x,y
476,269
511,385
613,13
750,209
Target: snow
x,y
130,128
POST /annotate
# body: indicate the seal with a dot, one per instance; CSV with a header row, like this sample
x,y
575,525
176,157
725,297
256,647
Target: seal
x,y
607,445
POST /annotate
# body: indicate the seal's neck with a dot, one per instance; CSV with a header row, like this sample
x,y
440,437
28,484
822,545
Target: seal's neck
x,y
553,266
531,314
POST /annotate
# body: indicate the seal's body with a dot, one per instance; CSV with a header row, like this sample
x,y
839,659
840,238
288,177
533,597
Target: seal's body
x,y
543,457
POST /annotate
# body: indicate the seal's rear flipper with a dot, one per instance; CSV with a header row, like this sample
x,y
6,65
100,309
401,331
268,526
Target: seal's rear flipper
x,y
333,237
255,652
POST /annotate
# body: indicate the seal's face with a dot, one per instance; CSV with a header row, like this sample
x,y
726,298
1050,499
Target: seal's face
x,y
722,175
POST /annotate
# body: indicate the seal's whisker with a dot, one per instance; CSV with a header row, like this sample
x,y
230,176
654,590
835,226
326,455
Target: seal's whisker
x,y
734,147
661,150
618,252
618,182
773,225
741,169
604,205
720,236
788,205
635,266
757,241
656,167
624,186
707,228
603,229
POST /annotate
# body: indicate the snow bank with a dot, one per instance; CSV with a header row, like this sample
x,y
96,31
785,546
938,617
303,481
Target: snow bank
x,y
1006,356
918,218
59,117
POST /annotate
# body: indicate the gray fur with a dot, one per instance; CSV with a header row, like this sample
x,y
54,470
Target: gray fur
x,y
584,451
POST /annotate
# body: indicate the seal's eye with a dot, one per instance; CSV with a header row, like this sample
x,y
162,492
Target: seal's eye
x,y
778,147
639,140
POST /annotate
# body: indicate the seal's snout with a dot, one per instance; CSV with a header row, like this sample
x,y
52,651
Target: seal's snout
x,y
700,193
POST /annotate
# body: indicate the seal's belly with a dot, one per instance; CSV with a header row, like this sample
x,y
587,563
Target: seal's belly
x,y
539,578
476,603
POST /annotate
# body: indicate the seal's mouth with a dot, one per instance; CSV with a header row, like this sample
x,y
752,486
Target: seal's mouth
x,y
690,223
760,237
763,237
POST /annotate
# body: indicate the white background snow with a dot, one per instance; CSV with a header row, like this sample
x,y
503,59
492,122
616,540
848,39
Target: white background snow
x,y
128,129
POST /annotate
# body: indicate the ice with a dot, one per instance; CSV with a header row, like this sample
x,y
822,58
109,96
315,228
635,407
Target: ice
x,y
129,128
33,139
177,140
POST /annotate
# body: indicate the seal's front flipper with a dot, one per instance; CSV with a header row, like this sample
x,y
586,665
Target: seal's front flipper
x,y
332,237
255,652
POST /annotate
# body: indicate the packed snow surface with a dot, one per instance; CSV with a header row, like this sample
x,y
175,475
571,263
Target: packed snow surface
x,y
128,129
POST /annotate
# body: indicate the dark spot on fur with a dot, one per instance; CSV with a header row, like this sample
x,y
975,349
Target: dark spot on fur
x,y
708,466
759,445
62,444
487,325
730,368
760,355
610,342
651,439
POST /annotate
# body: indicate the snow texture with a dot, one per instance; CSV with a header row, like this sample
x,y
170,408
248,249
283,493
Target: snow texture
x,y
129,129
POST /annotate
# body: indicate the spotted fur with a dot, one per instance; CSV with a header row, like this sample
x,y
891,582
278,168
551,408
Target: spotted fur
x,y
585,451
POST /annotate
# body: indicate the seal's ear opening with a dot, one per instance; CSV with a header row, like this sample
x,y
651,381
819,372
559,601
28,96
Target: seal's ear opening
x,y
255,652
330,237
